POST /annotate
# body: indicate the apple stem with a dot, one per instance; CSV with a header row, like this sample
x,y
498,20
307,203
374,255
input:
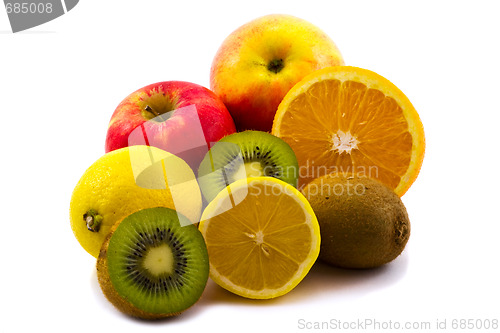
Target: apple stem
x,y
150,109
92,220
156,114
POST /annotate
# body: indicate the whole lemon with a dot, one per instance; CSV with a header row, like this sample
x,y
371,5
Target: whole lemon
x,y
127,180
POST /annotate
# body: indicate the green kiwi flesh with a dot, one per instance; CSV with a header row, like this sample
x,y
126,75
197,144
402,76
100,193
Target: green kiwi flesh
x,y
153,264
246,154
363,223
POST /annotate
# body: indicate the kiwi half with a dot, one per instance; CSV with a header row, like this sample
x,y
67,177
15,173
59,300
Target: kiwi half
x,y
154,264
246,154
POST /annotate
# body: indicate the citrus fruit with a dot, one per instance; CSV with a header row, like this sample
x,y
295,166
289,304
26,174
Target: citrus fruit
x,y
349,119
262,237
127,180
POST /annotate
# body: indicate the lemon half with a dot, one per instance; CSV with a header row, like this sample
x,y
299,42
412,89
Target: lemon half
x,y
262,237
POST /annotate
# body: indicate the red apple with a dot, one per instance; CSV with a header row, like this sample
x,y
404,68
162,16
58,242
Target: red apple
x,y
180,117
259,62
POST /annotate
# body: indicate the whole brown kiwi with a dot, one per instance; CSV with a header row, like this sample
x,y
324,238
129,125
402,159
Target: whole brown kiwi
x,y
363,223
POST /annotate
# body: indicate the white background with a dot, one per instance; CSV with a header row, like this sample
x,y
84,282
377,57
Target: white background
x,y
60,83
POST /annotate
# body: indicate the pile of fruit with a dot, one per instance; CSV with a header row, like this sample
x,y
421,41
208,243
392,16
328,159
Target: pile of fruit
x,y
289,157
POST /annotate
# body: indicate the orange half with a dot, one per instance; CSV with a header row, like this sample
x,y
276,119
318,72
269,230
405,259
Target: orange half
x,y
352,120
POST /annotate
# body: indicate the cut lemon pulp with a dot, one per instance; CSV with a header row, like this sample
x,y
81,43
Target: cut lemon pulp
x,y
352,120
262,237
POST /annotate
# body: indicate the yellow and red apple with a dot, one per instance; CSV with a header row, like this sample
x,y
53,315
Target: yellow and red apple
x,y
258,63
180,117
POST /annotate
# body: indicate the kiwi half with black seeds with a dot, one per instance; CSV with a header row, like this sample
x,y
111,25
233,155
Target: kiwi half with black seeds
x,y
246,154
154,264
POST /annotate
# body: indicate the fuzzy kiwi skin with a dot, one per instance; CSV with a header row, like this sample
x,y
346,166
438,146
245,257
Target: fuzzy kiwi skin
x,y
364,228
